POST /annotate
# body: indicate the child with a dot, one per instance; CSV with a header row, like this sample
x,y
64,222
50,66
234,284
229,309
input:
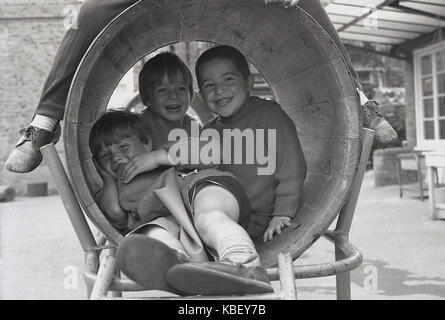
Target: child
x,y
166,88
225,81
215,198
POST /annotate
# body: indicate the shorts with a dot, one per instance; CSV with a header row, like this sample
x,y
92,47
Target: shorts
x,y
190,183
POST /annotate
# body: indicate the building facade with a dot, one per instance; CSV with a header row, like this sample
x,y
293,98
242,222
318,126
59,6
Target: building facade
x,y
30,32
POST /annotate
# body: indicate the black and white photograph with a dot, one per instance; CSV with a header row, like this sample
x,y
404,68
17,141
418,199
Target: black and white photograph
x,y
237,151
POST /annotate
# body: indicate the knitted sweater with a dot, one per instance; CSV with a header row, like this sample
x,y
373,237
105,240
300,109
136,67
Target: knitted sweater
x,y
276,194
159,135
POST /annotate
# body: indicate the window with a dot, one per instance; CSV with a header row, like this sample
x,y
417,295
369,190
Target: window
x,y
364,76
430,96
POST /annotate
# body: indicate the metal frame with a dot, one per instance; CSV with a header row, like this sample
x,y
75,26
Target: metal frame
x,y
102,276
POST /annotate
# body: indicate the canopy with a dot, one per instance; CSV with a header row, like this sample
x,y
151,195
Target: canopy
x,y
395,25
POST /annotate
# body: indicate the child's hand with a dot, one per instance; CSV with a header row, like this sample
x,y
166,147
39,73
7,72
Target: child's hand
x,y
283,3
275,225
142,162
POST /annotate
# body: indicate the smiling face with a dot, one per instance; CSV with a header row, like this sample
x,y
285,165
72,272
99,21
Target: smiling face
x,y
223,87
115,154
170,99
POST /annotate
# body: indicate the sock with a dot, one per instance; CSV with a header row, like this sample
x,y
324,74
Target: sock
x,y
239,249
363,98
44,122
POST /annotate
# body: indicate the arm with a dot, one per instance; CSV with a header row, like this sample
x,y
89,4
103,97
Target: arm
x,y
290,174
108,200
144,162
291,166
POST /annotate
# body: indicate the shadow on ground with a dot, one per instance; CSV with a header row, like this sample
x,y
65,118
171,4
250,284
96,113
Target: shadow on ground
x,y
379,278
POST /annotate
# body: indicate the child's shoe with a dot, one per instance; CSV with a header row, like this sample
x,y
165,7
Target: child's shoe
x,y
218,278
146,261
26,155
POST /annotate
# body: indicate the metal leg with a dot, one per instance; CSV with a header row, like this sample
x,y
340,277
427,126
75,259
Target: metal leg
x,y
117,294
91,265
68,197
431,187
343,280
287,276
345,218
104,275
420,178
399,175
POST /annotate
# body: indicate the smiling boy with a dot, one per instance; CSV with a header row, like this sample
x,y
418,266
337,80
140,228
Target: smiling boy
x,y
225,82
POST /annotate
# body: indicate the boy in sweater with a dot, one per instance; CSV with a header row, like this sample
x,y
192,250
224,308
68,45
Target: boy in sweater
x,y
225,81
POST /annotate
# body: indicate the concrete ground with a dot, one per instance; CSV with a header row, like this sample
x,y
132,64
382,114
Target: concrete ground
x,y
403,250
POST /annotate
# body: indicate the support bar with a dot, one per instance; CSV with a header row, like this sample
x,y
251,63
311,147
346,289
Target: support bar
x,y
68,197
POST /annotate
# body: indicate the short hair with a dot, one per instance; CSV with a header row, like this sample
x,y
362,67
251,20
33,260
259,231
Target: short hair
x,y
115,125
154,70
224,52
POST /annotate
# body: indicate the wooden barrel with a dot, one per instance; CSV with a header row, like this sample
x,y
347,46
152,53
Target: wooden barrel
x,y
302,65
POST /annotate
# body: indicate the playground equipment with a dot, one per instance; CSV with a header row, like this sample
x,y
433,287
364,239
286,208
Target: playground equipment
x,y
308,77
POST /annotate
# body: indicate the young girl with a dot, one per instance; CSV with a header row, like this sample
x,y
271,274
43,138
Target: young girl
x,y
131,163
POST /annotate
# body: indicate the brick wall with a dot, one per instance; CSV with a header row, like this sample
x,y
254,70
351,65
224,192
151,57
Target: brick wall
x,y
30,31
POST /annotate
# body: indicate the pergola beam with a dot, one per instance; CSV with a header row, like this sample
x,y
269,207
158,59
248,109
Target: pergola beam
x,y
397,5
364,16
409,45
387,54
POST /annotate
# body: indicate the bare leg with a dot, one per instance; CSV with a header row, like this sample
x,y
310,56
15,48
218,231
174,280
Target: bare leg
x,y
167,238
238,270
93,16
216,213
